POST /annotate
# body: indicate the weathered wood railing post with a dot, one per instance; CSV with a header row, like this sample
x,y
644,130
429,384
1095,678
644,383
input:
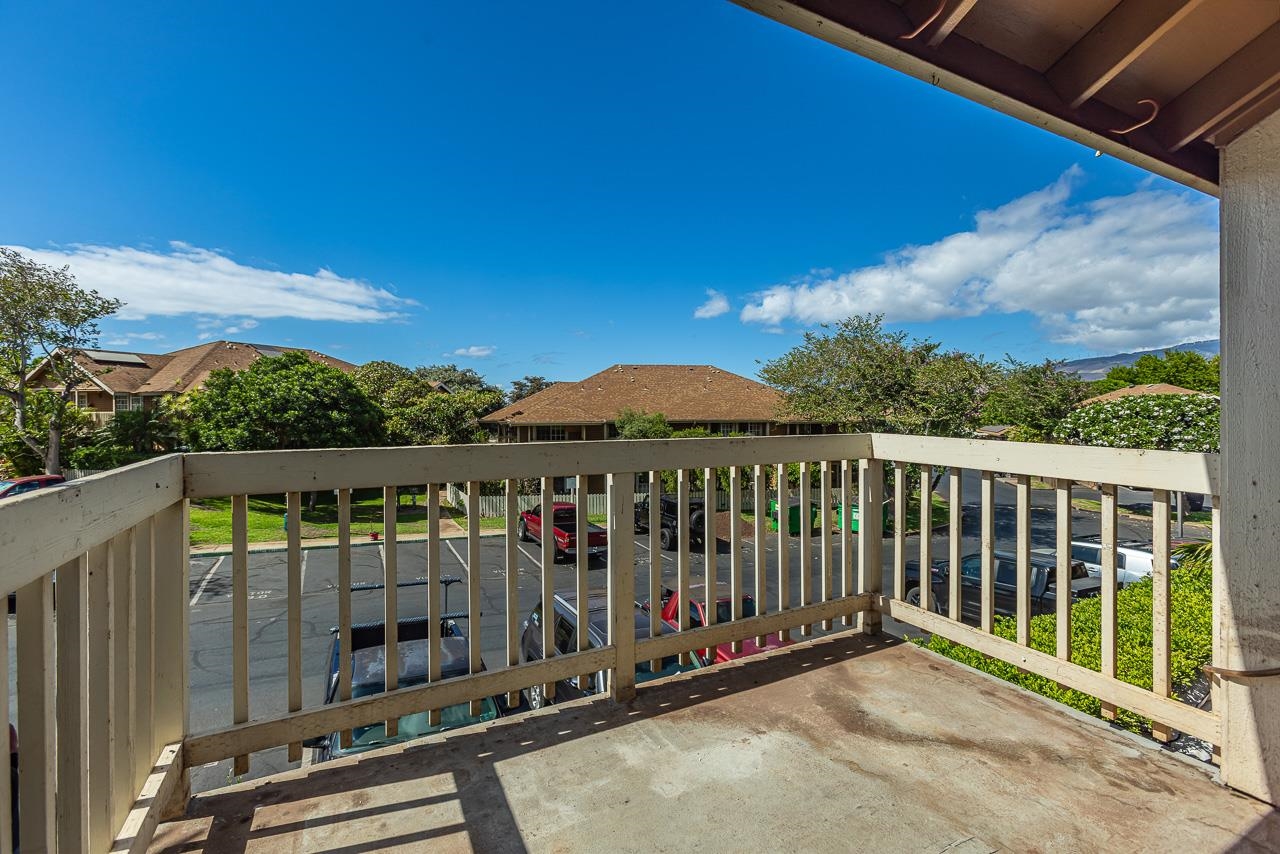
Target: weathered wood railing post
x,y
870,539
169,543
622,584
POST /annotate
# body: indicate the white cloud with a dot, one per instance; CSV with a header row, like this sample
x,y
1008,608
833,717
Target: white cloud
x,y
124,339
716,305
475,351
1128,272
189,280
242,326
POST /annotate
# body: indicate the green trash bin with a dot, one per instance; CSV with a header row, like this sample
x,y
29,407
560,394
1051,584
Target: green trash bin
x,y
794,524
886,516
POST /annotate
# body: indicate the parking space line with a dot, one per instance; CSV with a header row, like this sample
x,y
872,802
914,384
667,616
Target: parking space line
x,y
536,561
462,563
646,548
204,582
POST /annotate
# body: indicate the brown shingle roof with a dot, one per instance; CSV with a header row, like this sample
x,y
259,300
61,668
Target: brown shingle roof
x,y
1129,391
184,370
682,393
189,368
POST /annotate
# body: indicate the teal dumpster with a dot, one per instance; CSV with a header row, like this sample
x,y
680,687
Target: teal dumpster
x,y
886,516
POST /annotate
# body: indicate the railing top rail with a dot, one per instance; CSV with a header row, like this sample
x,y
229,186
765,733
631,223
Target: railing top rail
x,y
1170,470
48,527
263,472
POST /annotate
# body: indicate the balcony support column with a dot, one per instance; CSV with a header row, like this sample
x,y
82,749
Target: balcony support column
x,y
1246,583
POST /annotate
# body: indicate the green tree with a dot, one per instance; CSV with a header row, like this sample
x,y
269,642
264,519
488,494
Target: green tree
x,y
866,379
1184,368
634,424
282,402
1157,422
17,457
531,384
437,418
376,379
457,379
1033,397
127,438
45,318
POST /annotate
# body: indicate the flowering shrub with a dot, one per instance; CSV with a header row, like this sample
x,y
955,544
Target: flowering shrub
x,y
1157,422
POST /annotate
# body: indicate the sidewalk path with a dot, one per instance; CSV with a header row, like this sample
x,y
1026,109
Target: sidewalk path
x,y
449,529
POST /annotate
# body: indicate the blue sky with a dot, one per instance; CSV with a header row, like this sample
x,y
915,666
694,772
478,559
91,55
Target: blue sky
x,y
534,189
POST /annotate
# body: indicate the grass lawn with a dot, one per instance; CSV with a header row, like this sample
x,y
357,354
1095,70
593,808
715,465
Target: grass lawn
x,y
211,520
1197,517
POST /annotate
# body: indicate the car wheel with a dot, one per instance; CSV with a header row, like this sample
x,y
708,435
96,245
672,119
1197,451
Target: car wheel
x,y
534,694
668,539
913,597
523,530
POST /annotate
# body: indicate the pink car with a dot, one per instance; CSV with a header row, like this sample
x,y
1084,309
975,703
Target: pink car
x,y
698,617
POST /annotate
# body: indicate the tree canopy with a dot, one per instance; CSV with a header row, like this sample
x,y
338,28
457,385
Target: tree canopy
x,y
866,379
634,424
530,384
1184,368
282,402
46,318
457,379
419,414
1033,397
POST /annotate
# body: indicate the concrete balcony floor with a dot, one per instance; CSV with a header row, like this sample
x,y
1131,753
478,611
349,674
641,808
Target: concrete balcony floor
x,y
847,744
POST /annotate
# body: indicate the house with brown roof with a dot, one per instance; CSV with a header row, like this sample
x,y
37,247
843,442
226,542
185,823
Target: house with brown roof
x,y
687,395
117,381
1130,391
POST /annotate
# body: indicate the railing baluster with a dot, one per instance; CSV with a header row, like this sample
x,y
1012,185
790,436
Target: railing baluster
x,y
683,568
826,539
711,587
293,538
806,541
1023,517
36,726
121,649
547,535
760,502
580,574
391,598
1161,682
6,816
344,605
846,535
988,597
955,492
899,531
1062,622
240,620
513,583
102,665
870,540
1109,523
735,549
784,546
434,608
655,561
622,584
172,567
72,711
144,653
474,659
926,537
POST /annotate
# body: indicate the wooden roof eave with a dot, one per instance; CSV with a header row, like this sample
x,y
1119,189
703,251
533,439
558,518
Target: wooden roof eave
x,y
875,29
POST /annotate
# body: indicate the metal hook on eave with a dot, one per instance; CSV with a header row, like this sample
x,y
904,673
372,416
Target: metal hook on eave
x,y
927,21
1155,111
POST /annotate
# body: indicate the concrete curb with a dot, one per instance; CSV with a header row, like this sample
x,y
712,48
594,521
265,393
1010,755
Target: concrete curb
x,y
327,543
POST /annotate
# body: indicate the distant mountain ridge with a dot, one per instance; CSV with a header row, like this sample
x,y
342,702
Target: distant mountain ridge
x,y
1096,367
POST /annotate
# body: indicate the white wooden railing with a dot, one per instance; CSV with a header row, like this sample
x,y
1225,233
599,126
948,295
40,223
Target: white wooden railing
x,y
102,690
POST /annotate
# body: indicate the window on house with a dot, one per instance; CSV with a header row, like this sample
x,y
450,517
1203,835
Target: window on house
x,y
128,403
551,434
726,429
753,428
82,399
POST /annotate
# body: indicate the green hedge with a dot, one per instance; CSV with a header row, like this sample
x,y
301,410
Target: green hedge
x,y
1191,640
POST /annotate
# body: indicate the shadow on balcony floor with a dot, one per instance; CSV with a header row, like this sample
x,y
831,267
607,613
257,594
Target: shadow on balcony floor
x,y
849,743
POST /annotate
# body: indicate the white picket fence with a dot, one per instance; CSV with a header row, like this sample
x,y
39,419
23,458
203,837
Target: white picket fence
x,y
495,506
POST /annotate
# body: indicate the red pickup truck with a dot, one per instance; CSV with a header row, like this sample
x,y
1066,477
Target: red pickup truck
x,y
564,531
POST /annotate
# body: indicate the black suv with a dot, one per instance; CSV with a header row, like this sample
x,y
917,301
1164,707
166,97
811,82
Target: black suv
x,y
670,506
1044,568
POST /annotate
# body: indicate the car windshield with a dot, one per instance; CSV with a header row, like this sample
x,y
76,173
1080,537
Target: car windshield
x,y
412,726
670,665
5,484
